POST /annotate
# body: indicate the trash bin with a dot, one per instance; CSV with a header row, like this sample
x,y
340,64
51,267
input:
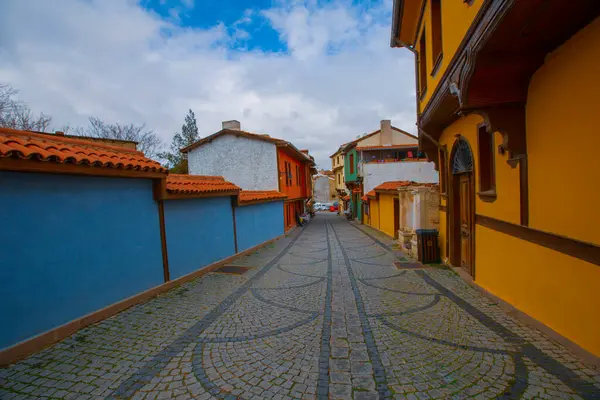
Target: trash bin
x,y
427,246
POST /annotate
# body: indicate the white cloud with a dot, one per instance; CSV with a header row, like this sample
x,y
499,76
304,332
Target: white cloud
x,y
110,58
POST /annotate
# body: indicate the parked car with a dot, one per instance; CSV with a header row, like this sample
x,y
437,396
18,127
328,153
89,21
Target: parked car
x,y
333,208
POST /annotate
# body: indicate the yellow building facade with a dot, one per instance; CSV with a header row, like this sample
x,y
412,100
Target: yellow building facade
x,y
506,111
337,166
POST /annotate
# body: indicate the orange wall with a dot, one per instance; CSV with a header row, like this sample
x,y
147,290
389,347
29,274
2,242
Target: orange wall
x,y
294,191
506,207
554,288
457,17
563,139
558,290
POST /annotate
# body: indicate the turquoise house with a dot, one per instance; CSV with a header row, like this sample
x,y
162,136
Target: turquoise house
x,y
353,181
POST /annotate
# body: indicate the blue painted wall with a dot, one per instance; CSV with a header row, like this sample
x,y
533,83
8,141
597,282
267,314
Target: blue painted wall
x,y
70,245
258,223
199,232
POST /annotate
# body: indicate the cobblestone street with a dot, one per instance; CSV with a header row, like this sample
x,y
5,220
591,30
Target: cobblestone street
x,y
321,313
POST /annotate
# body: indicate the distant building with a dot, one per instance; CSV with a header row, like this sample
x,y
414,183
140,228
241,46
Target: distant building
x,y
323,183
337,167
255,162
387,154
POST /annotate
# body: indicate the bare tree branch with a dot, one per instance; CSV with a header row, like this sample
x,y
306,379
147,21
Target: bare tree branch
x,y
148,141
17,115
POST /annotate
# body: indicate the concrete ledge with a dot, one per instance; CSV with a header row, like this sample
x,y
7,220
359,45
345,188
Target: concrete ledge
x,y
528,320
37,343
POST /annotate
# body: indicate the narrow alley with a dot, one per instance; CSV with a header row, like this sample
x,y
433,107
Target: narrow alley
x,y
322,313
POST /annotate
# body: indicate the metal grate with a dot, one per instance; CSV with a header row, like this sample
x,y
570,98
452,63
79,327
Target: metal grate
x,y
408,265
232,269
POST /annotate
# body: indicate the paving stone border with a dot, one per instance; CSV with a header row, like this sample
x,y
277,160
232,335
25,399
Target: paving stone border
x,y
325,353
145,374
374,357
303,324
586,390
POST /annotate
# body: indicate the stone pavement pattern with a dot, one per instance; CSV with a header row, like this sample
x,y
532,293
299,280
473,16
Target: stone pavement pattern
x,y
323,313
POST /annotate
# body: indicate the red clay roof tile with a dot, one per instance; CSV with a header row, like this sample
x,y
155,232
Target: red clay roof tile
x,y
61,150
248,196
395,185
199,184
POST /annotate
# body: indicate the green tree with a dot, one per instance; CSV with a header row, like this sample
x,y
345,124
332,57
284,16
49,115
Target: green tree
x,y
176,160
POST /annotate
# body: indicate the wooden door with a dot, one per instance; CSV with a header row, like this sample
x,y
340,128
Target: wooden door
x,y
466,224
396,217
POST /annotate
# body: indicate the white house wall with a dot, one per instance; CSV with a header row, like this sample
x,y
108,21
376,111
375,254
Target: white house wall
x,y
322,189
377,173
251,164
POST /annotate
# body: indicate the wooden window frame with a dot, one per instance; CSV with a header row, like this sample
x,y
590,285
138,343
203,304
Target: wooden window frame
x,y
422,61
486,192
443,164
437,48
351,161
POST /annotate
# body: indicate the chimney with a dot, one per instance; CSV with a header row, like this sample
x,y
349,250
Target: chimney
x,y
59,133
233,125
385,137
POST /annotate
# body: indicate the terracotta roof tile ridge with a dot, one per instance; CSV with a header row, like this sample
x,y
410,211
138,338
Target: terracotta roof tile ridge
x,y
197,177
15,134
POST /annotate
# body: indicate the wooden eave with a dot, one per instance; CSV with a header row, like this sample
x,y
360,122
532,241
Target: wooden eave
x,y
234,132
292,151
406,19
490,73
178,196
249,203
15,164
386,191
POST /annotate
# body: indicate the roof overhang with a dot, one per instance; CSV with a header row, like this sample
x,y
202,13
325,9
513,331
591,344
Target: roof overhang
x,y
293,151
386,191
490,72
26,165
249,135
406,16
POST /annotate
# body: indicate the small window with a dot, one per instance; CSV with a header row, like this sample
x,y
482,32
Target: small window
x,y
339,179
297,176
436,33
422,64
351,163
487,178
443,171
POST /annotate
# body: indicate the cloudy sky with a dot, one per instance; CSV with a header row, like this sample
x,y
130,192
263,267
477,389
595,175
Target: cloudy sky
x,y
317,73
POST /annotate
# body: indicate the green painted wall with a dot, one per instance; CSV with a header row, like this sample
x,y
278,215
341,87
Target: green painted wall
x,y
347,175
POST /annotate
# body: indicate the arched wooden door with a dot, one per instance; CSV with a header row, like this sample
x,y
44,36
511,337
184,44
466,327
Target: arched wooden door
x,y
463,199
